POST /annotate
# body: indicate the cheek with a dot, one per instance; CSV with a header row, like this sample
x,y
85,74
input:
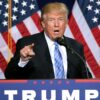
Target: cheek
x,y
49,27
64,26
46,25
62,29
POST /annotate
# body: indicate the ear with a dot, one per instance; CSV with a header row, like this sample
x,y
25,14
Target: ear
x,y
66,23
43,24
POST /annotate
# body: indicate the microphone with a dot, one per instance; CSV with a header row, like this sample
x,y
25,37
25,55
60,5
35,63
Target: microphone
x,y
61,41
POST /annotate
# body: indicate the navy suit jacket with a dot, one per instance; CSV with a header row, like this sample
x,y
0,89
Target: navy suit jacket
x,y
40,66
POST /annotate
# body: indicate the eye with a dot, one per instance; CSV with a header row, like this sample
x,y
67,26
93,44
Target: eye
x,y
61,19
50,19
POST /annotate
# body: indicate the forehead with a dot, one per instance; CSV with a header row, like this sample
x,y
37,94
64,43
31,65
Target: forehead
x,y
55,14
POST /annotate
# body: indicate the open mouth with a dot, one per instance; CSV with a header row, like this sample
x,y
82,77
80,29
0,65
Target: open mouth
x,y
56,31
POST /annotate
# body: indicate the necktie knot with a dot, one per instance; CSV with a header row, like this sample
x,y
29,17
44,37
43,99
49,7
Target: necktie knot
x,y
56,45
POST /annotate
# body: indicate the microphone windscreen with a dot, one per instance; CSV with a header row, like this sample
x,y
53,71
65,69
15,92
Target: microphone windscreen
x,y
60,41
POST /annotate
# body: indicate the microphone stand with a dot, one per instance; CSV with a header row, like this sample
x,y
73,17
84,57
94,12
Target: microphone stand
x,y
61,41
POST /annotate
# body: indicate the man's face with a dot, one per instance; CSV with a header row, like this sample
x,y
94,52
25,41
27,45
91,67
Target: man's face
x,y
54,24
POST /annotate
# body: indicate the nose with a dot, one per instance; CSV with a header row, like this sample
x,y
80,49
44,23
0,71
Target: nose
x,y
56,23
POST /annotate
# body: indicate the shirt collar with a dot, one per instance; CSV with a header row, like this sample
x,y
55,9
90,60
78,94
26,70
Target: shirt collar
x,y
49,41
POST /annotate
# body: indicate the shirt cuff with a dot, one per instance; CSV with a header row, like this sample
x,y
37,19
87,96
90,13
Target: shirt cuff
x,y
22,63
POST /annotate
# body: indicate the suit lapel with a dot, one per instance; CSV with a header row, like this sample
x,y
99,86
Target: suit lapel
x,y
43,53
70,58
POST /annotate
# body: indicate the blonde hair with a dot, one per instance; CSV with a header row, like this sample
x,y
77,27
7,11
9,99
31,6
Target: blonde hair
x,y
54,7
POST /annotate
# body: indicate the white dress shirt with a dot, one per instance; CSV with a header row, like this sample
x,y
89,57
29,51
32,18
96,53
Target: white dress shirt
x,y
62,51
50,44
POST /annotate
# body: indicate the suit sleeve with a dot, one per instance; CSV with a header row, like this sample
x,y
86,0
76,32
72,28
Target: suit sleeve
x,y
12,70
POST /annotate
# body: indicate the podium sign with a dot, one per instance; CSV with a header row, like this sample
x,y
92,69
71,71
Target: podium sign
x,y
49,89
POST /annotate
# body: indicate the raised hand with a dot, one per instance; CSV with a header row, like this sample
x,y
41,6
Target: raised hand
x,y
27,52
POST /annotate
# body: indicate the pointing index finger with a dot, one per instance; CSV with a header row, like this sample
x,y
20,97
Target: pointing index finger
x,y
31,46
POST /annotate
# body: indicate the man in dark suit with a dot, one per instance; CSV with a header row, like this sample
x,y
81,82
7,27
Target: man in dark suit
x,y
34,56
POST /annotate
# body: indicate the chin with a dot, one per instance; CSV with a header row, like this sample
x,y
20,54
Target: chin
x,y
54,38
58,36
